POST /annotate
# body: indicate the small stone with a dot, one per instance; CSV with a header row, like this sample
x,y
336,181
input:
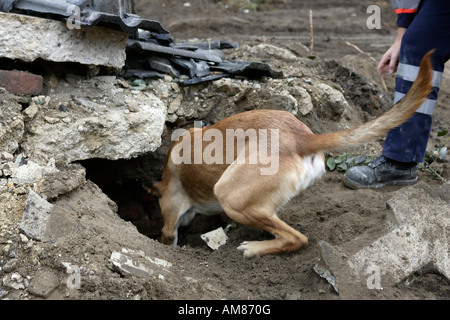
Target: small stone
x,y
51,120
15,281
133,106
13,250
215,239
123,83
62,108
44,283
31,111
23,238
11,265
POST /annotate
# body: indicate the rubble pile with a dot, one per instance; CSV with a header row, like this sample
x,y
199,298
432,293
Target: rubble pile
x,y
142,47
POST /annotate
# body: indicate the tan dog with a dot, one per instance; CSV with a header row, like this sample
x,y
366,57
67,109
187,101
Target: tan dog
x,y
197,177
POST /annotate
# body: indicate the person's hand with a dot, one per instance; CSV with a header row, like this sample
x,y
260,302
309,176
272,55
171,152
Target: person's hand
x,y
389,61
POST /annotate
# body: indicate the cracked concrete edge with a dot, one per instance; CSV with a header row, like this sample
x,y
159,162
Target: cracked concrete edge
x,y
90,46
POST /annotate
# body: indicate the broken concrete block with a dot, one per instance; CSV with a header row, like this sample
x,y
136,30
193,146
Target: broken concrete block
x,y
215,239
31,172
136,263
28,38
36,216
18,82
56,183
44,283
43,221
98,126
129,267
419,238
14,281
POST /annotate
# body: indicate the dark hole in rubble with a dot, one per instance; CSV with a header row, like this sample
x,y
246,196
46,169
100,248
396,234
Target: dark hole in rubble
x,y
59,69
121,180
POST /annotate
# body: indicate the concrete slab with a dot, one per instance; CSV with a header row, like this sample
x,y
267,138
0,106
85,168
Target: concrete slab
x,y
28,38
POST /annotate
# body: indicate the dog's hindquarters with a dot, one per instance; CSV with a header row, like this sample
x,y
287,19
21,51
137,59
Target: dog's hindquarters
x,y
252,199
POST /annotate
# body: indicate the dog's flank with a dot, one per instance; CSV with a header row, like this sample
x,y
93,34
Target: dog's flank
x,y
251,198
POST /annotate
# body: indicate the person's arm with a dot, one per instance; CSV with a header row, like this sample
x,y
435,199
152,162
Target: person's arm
x,y
406,11
389,61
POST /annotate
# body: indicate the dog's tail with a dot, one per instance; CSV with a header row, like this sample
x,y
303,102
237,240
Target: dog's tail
x,y
378,127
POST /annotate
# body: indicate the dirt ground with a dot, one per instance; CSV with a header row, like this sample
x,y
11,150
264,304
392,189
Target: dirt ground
x,y
328,210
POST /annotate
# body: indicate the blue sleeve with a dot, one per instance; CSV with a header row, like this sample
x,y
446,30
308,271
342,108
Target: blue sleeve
x,y
406,11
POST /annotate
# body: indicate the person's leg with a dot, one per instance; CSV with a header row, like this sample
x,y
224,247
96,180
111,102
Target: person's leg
x,y
405,146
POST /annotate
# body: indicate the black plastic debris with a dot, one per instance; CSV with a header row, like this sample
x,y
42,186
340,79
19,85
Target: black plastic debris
x,y
143,74
192,63
163,65
208,45
251,70
194,68
150,47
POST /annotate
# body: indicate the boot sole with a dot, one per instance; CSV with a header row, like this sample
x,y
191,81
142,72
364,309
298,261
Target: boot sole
x,y
355,185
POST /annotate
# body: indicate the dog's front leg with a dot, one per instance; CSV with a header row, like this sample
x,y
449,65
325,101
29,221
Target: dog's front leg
x,y
172,208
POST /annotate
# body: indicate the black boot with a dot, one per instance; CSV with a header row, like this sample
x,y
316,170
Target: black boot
x,y
381,172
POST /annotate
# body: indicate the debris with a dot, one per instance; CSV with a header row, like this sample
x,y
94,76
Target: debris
x,y
44,283
215,239
136,263
207,45
163,65
91,13
147,47
14,281
127,266
36,216
89,46
252,70
155,48
323,272
113,135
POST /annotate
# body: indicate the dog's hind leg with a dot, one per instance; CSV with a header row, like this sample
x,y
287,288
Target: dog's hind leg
x,y
252,199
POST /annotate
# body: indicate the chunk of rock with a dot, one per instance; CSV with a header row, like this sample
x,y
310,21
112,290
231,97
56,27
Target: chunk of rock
x,y
44,283
56,42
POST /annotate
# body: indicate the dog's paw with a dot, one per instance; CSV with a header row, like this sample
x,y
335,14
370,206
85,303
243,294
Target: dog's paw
x,y
248,248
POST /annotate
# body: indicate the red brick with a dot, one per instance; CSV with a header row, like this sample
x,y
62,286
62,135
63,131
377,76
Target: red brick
x,y
19,82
